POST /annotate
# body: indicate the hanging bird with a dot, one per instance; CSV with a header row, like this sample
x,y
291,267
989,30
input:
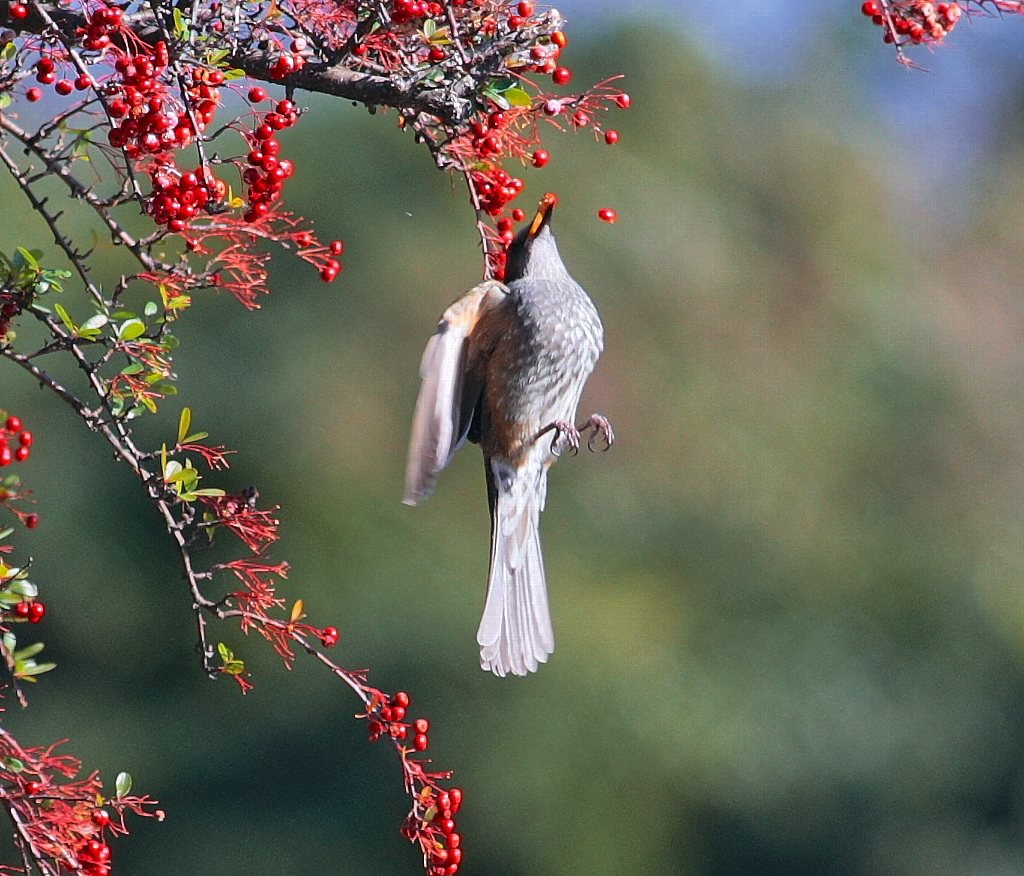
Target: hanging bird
x,y
506,369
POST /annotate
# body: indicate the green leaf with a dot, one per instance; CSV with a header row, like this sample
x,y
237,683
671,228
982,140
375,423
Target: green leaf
x,y
181,30
65,318
30,651
209,491
6,532
214,58
13,764
151,309
131,329
429,28
194,437
134,368
123,784
36,669
184,422
518,97
30,258
94,322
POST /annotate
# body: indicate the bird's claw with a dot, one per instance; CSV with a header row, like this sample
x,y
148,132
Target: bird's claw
x,y
601,429
563,430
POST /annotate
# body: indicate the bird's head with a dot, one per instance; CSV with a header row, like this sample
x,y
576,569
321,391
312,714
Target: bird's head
x,y
533,251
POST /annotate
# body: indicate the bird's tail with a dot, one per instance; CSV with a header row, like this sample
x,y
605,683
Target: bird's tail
x,y
515,632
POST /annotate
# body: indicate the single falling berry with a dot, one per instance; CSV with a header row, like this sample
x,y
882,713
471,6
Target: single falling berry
x,y
606,214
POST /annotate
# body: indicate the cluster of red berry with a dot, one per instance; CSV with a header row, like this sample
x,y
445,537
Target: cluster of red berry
x,y
389,719
436,831
918,20
179,196
406,10
32,611
13,434
265,174
102,23
152,122
46,74
94,858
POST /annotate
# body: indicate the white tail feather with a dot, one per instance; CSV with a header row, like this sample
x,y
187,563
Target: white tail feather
x,y
515,632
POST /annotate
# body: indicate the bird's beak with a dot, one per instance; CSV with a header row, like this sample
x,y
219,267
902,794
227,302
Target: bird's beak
x,y
543,216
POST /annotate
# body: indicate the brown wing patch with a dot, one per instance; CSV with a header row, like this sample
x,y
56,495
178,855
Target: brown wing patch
x,y
448,392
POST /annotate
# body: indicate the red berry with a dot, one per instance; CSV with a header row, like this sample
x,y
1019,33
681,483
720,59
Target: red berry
x,y
402,699
456,797
446,826
421,725
559,39
257,95
611,137
17,10
13,424
45,65
525,8
25,439
100,817
540,158
453,840
561,75
82,82
21,609
518,214
623,101
329,637
397,713
420,742
328,275
6,456
31,521
36,610
34,94
871,8
64,87
33,787
606,214
21,454
337,247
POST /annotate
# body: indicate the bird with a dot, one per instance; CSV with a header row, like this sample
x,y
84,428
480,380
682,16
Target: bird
x,y
505,370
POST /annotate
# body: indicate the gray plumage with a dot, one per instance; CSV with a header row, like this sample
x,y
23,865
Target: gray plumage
x,y
506,365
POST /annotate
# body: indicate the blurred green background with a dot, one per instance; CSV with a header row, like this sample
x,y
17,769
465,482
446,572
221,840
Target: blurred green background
x,y
789,604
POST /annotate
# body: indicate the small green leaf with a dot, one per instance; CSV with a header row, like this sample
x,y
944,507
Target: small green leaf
x,y
429,28
518,97
123,784
184,422
131,329
134,368
151,309
35,669
194,437
30,258
30,651
209,491
65,318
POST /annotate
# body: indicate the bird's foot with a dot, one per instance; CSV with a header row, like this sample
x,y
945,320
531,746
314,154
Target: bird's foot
x,y
563,431
602,429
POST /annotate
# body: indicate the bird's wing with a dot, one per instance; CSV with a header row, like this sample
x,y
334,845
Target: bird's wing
x,y
444,408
